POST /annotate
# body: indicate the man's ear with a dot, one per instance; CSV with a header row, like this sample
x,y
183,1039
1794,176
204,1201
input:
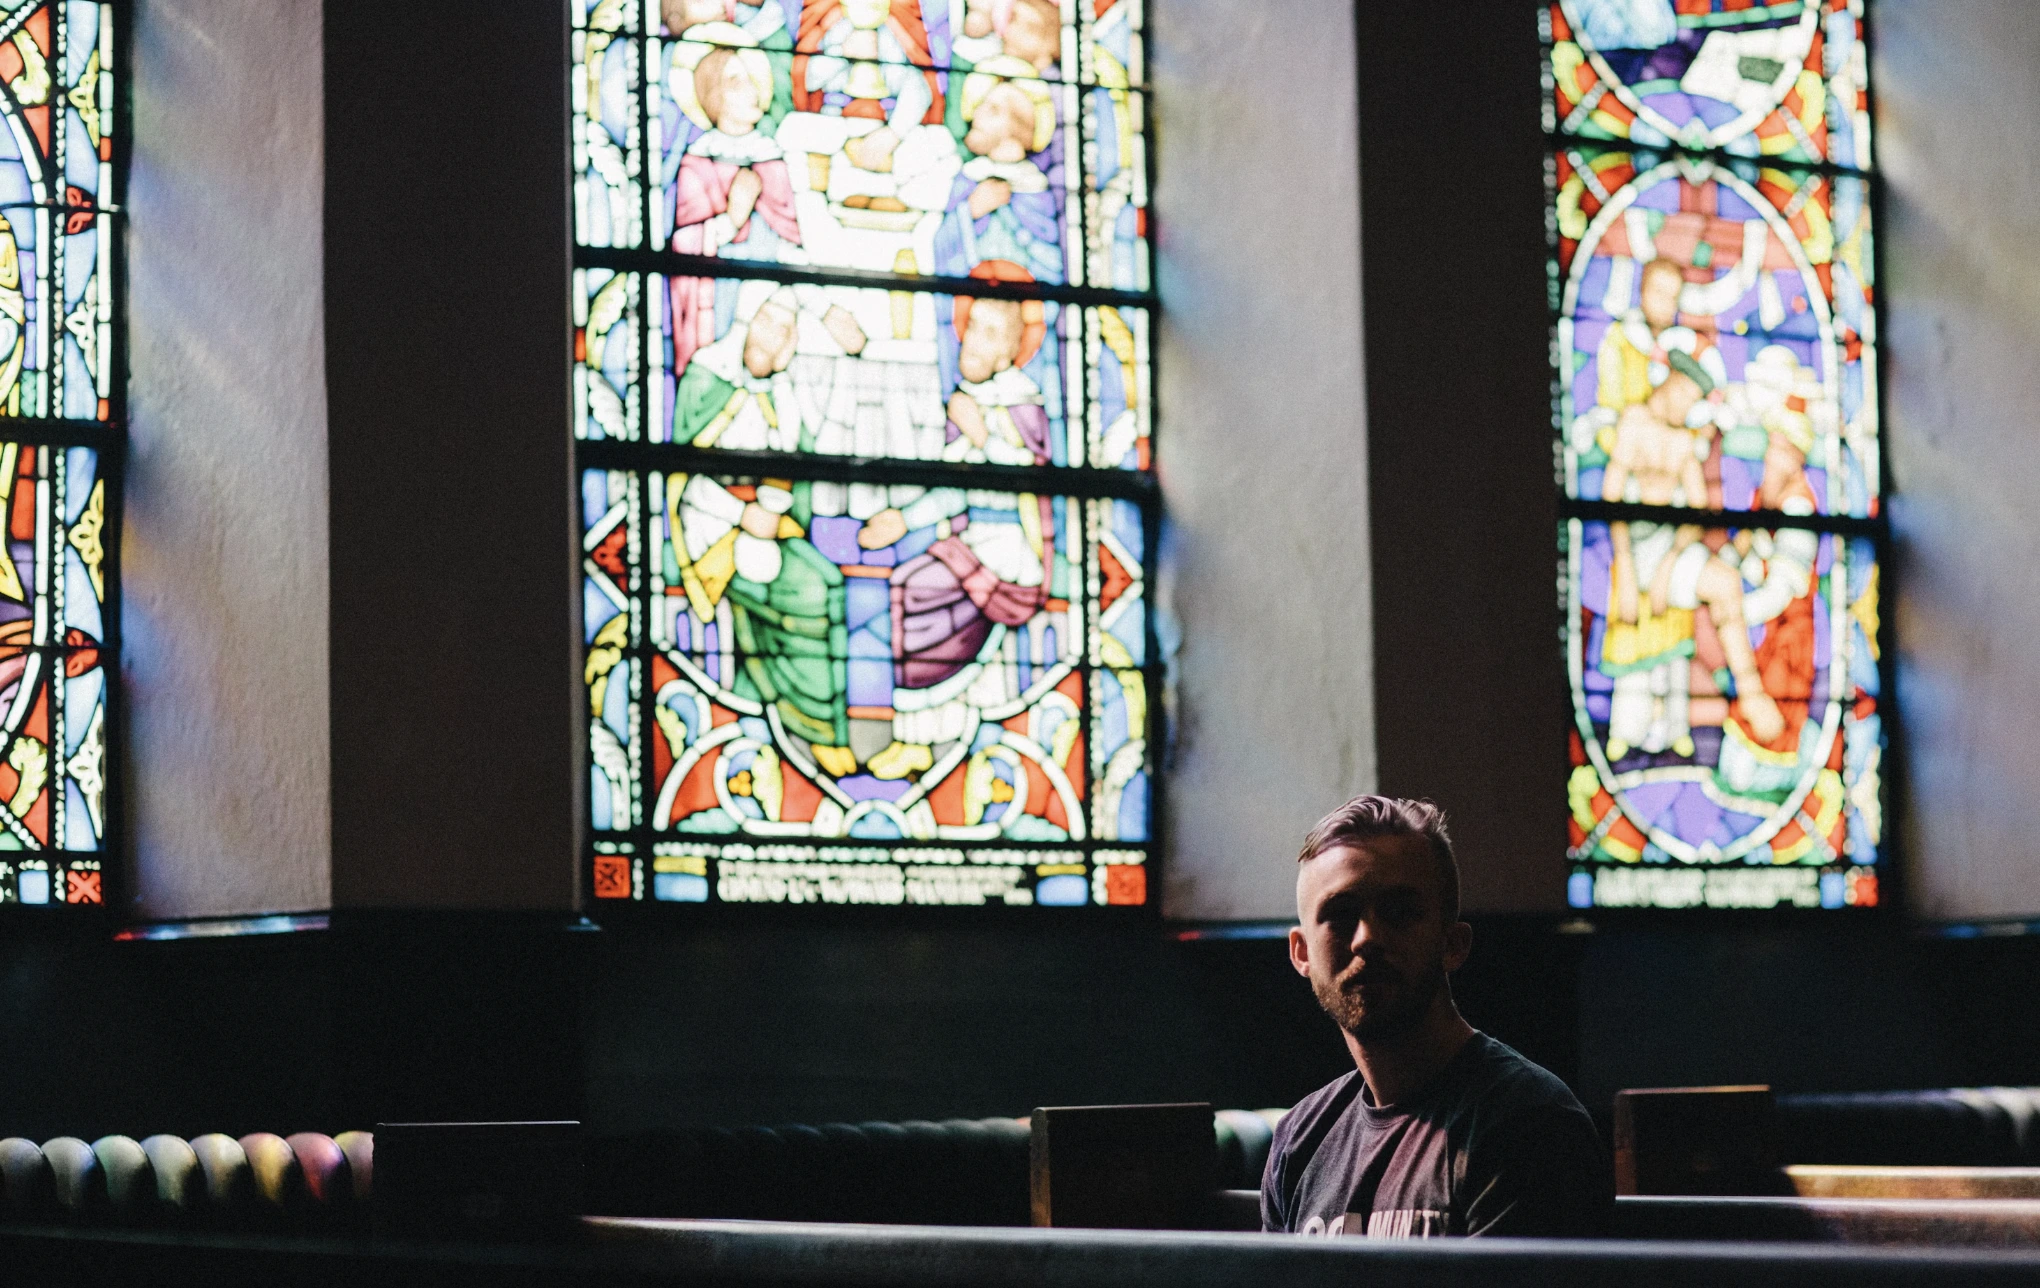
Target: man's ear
x,y
1299,951
1458,945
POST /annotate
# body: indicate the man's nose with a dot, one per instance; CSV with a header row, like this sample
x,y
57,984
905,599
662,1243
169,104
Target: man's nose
x,y
1363,936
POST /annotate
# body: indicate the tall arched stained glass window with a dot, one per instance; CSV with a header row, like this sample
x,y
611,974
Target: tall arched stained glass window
x,y
1716,392
862,414
62,437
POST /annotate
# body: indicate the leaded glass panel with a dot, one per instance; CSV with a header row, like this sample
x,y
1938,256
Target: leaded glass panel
x,y
929,138
865,425
1713,280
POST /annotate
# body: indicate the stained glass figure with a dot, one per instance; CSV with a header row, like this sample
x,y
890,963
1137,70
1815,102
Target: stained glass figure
x,y
865,440
860,371
908,138
1713,278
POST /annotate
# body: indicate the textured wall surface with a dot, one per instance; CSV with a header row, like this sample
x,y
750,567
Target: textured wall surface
x,y
226,543
1261,441
1959,99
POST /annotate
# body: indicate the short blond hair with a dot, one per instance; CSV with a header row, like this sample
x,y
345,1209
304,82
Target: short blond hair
x,y
1369,818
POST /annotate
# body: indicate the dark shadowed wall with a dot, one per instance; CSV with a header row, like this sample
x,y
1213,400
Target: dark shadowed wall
x,y
453,560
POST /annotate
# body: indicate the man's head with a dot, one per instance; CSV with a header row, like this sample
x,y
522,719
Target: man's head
x,y
1011,112
1377,905
1662,281
1002,126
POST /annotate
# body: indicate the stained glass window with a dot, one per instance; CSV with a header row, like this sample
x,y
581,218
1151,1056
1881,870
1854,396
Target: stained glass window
x,y
1716,408
863,416
61,444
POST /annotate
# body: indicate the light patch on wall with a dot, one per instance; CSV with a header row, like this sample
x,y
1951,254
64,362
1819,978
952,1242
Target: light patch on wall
x,y
226,537
1262,442
1957,96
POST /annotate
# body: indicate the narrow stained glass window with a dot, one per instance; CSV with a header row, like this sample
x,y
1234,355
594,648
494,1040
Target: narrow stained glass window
x,y
1716,406
61,446
862,410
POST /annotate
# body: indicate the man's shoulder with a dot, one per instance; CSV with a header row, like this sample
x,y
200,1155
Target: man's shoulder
x,y
1500,1072
1315,1109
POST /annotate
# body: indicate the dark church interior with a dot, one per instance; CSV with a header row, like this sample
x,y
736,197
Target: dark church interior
x,y
471,639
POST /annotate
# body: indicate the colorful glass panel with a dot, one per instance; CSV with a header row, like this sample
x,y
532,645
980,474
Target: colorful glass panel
x,y
912,139
1721,321
54,634
1787,79
862,371
60,364
911,675
1715,400
1711,673
880,669
612,622
56,174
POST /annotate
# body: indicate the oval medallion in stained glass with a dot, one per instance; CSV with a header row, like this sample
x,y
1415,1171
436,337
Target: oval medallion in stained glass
x,y
1713,334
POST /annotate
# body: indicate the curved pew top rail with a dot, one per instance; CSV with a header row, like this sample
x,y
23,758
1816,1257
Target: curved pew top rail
x,y
307,1182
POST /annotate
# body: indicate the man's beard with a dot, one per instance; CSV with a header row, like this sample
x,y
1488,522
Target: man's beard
x,y
1385,1019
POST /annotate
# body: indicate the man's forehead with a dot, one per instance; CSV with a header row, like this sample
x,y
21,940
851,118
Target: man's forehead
x,y
1375,862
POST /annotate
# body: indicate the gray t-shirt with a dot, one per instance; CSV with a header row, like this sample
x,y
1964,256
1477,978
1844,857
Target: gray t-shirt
x,y
1495,1145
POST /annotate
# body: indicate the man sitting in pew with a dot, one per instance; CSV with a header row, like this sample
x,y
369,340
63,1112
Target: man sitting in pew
x,y
1439,1130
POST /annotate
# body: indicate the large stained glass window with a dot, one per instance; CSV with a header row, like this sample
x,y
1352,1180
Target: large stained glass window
x,y
1713,286
862,412
62,414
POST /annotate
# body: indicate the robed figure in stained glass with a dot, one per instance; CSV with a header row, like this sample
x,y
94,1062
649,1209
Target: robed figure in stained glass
x,y
1004,204
869,119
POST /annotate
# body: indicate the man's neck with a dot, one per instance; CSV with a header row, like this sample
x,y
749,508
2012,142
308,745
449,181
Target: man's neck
x,y
1395,1067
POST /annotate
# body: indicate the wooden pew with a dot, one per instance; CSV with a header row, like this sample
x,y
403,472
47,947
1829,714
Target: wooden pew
x,y
1724,1141
742,1254
1826,1181
1920,1223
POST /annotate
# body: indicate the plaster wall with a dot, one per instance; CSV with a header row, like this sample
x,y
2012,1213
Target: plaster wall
x,y
1958,89
225,549
1261,442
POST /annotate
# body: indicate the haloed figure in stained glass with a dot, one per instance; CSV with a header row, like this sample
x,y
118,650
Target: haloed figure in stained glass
x,y
788,601
1003,205
735,170
997,413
